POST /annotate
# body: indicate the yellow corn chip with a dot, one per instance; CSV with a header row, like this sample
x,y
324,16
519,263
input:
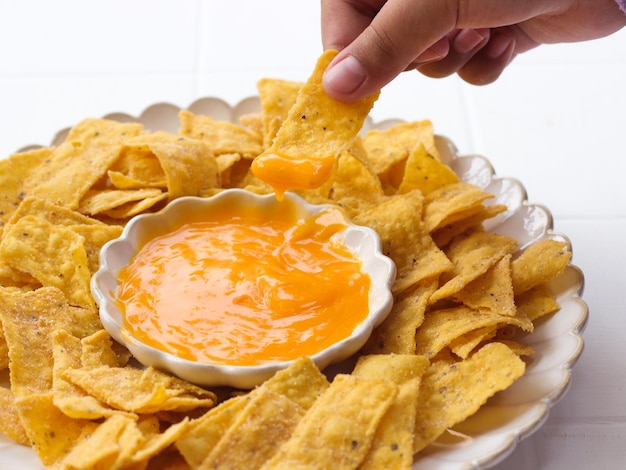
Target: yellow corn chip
x,y
449,393
277,97
442,327
492,291
339,427
69,398
316,131
447,231
137,167
388,149
392,446
51,433
425,172
13,171
220,136
54,255
140,391
396,335
537,302
189,164
538,263
267,421
472,255
462,346
404,239
28,320
98,202
77,164
10,424
203,434
451,203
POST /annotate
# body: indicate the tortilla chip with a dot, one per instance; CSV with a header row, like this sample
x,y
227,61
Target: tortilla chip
x,y
90,148
220,136
540,262
339,427
392,446
449,393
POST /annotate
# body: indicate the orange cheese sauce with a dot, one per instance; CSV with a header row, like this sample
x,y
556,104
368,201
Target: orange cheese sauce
x,y
283,172
244,287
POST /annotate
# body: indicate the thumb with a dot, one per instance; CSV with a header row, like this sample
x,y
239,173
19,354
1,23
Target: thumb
x,y
399,33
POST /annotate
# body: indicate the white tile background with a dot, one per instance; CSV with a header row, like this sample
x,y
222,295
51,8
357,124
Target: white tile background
x,y
556,120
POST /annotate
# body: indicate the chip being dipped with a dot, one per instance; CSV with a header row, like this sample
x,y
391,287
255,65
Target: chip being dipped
x,y
317,129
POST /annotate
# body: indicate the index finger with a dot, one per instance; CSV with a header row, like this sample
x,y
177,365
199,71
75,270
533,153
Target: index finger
x,y
398,32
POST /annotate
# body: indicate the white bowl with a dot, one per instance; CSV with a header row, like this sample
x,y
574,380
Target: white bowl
x,y
513,414
364,241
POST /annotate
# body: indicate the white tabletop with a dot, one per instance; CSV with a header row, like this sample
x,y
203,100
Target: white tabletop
x,y
556,120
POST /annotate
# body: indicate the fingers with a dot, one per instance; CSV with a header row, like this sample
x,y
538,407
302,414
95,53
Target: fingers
x,y
464,44
343,21
488,63
480,62
398,33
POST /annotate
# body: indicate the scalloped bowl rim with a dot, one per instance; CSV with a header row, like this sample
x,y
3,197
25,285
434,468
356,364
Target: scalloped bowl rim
x,y
364,241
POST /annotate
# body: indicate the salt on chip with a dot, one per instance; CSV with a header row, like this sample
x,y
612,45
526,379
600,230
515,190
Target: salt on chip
x,y
99,349
51,212
449,393
102,448
73,167
317,129
339,427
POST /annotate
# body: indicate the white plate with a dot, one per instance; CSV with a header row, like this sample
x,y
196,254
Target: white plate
x,y
489,436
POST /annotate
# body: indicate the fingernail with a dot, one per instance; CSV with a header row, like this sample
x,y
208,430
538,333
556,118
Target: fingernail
x,y
498,46
345,76
468,39
435,52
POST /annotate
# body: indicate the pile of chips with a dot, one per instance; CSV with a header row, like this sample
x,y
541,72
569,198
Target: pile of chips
x,y
462,297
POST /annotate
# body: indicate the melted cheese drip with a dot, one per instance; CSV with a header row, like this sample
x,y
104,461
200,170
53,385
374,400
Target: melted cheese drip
x,y
245,287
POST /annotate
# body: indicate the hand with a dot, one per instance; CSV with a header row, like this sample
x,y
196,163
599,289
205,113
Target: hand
x,y
378,39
